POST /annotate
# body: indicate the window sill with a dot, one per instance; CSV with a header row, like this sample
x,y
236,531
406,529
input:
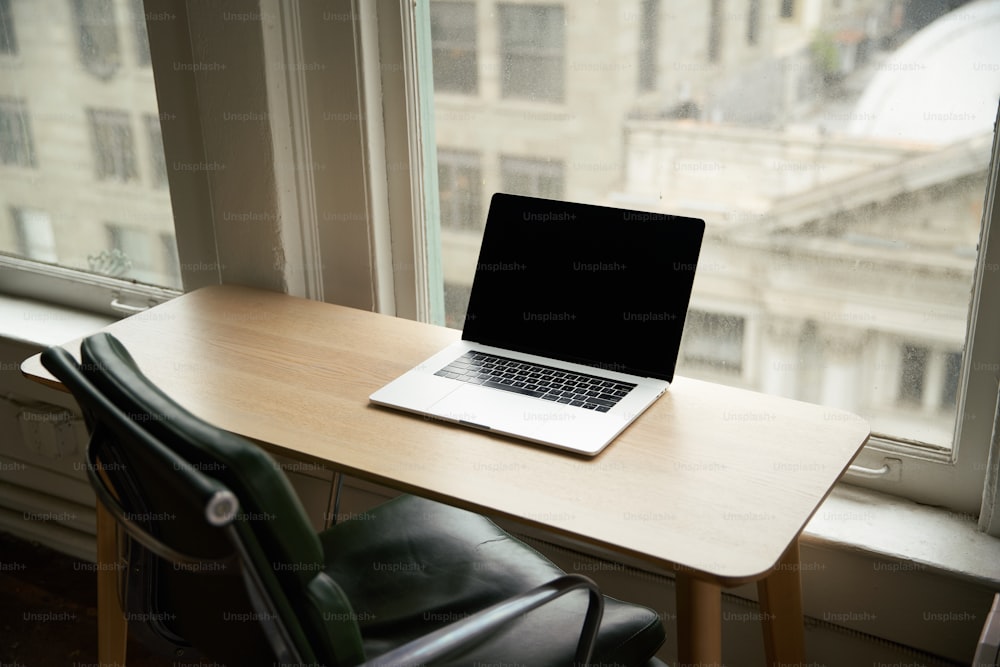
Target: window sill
x,y
891,528
44,324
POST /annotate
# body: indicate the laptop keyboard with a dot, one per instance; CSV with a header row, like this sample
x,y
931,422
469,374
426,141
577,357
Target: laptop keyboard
x,y
551,384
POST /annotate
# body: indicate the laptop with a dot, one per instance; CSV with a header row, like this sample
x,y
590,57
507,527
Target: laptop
x,y
573,326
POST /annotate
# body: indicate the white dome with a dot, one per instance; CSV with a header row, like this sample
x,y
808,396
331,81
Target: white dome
x,y
942,85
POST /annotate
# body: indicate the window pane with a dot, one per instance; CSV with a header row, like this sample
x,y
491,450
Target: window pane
x,y
81,153
843,201
16,145
532,52
459,179
97,36
35,237
650,11
528,176
453,33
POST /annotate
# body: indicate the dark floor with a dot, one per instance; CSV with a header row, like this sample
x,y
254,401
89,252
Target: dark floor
x,y
48,611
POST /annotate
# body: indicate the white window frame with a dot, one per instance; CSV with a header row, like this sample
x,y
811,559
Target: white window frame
x,y
360,236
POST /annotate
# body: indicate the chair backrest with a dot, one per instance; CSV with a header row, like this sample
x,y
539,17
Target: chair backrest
x,y
212,578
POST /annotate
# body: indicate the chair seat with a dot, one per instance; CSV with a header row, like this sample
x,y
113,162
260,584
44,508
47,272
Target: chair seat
x,y
413,565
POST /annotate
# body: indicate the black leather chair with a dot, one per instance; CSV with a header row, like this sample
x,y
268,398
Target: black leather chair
x,y
221,557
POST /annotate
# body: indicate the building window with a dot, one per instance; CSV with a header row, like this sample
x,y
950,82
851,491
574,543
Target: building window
x,y
453,38
8,40
98,37
532,52
114,150
16,145
753,22
138,250
157,158
714,341
35,238
787,9
535,178
648,38
460,183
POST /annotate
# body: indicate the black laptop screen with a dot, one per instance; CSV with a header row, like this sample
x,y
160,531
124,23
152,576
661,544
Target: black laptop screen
x,y
601,286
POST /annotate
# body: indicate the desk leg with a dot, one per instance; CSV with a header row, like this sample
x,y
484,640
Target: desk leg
x,y
699,622
780,596
112,628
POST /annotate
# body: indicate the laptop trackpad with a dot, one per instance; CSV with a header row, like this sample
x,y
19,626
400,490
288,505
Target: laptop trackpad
x,y
498,410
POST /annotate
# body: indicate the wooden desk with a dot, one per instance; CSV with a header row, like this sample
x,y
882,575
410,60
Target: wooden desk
x,y
712,483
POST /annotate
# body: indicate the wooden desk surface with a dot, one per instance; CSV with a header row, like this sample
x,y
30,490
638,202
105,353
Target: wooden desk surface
x,y
712,479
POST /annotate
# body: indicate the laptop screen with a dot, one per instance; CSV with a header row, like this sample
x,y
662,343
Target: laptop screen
x,y
588,284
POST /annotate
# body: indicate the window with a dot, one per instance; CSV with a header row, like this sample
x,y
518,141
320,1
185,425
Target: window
x,y
534,177
813,241
56,212
459,179
753,21
820,279
532,52
98,37
8,38
114,150
35,237
453,35
16,145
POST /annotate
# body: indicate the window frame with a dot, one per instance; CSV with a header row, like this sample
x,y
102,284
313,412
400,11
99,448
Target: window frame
x,y
379,57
